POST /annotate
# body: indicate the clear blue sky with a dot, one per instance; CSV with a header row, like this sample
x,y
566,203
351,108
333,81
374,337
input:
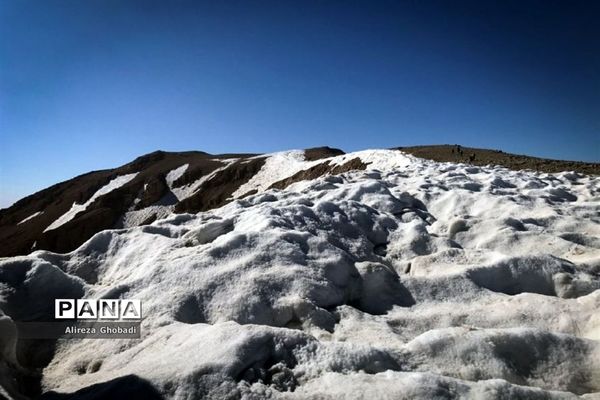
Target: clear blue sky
x,y
88,85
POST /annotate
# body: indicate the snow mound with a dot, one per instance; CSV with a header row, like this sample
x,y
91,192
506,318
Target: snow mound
x,y
521,356
410,279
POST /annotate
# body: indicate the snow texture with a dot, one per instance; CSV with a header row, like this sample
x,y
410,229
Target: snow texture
x,y
409,280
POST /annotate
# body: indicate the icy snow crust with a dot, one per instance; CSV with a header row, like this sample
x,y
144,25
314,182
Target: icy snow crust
x,y
412,279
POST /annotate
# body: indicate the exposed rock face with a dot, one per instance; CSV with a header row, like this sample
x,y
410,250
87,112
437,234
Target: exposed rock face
x,y
154,189
318,153
481,157
70,235
221,187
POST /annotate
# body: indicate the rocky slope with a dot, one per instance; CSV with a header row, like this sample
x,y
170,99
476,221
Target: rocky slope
x,y
481,157
372,274
62,217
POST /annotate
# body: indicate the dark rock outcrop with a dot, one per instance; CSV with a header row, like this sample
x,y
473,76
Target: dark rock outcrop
x,y
481,157
324,168
318,153
218,190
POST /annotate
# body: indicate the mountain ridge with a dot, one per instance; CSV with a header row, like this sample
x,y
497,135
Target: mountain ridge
x,y
24,225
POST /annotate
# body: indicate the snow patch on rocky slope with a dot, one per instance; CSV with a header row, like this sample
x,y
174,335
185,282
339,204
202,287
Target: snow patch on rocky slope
x,y
32,216
77,208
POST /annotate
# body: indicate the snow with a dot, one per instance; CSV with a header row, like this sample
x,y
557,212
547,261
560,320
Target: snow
x,y
378,159
137,217
277,167
77,208
32,216
284,164
411,279
186,191
175,174
165,207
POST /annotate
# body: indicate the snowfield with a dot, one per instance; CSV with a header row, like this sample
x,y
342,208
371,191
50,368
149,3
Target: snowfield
x,y
409,280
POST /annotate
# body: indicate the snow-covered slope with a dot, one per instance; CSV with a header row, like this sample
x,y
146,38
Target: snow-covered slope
x,y
410,279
